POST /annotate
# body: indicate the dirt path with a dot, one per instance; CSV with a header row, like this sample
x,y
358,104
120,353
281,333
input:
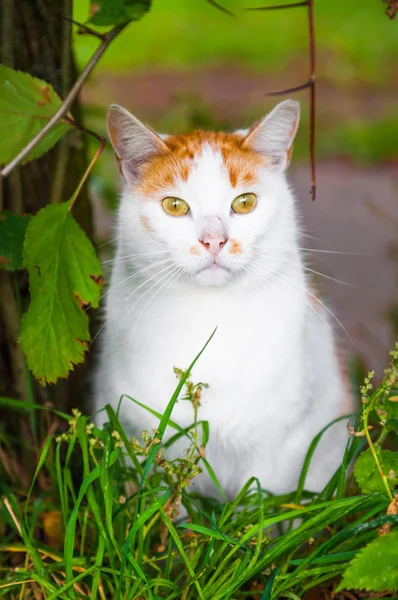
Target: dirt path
x,y
356,211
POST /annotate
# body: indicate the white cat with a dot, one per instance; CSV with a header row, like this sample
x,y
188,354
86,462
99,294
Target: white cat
x,y
208,236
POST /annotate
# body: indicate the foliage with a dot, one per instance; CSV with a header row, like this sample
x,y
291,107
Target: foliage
x,y
12,235
375,567
110,528
26,104
369,478
113,12
64,277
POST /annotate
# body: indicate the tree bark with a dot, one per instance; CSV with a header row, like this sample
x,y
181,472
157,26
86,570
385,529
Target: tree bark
x,y
36,39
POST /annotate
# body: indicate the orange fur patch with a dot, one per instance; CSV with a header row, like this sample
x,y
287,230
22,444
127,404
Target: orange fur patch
x,y
162,170
236,247
195,251
146,224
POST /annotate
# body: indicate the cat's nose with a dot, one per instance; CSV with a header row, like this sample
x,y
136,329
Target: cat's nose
x,y
213,243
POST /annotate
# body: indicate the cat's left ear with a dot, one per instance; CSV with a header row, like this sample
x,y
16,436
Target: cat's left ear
x,y
273,135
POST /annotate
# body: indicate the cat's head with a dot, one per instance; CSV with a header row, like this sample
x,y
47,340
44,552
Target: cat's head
x,y
207,198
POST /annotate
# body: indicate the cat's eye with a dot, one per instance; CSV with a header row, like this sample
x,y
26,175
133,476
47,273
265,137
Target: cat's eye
x,y
175,206
244,203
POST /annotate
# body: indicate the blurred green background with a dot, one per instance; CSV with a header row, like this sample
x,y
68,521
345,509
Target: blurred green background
x,y
208,69
187,64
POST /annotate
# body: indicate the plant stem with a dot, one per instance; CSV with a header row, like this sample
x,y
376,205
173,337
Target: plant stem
x,y
371,445
86,174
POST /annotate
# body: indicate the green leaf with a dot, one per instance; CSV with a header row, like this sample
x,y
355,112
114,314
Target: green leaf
x,y
114,12
64,277
26,105
375,568
367,474
391,406
12,235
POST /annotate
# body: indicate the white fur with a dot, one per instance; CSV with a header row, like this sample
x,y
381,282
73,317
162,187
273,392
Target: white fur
x,y
271,367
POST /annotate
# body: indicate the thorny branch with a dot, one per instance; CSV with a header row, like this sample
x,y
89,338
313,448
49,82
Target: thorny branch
x,y
311,83
392,9
107,39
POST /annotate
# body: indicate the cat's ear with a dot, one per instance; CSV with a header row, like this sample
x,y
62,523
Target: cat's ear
x,y
273,135
133,142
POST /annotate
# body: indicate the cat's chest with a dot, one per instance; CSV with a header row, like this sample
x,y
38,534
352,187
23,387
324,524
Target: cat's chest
x,y
256,334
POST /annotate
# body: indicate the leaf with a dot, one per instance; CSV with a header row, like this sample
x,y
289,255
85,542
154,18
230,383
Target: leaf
x,y
375,568
114,12
64,277
391,406
26,105
12,235
367,474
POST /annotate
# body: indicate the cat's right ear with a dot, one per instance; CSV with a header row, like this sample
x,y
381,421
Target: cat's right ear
x,y
273,136
134,143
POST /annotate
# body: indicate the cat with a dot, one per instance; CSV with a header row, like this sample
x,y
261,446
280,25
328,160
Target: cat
x,y
208,236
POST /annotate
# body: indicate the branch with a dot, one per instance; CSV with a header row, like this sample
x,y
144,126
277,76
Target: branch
x,y
222,8
108,38
312,95
84,29
277,6
291,90
308,84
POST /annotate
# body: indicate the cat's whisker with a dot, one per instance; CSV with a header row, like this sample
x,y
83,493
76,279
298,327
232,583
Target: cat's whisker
x,y
126,298
173,278
318,250
309,269
135,274
116,239
343,252
131,256
145,282
271,276
306,290
174,269
329,277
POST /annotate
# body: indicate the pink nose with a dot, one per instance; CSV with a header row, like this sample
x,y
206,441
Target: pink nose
x,y
213,243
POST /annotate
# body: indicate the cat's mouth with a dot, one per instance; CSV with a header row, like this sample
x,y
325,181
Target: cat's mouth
x,y
213,267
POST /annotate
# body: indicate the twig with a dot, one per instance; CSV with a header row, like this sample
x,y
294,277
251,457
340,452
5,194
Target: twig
x,y
222,8
312,95
87,173
109,37
291,90
84,29
308,84
277,6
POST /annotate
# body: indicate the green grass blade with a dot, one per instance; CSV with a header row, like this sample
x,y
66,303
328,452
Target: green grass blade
x,y
42,458
181,550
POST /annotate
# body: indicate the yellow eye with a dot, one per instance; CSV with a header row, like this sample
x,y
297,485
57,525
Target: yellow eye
x,y
175,207
244,204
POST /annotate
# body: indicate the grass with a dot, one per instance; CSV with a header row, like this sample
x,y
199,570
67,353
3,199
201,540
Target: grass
x,y
100,519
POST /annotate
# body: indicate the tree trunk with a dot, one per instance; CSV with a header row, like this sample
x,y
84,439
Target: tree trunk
x,y
35,38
